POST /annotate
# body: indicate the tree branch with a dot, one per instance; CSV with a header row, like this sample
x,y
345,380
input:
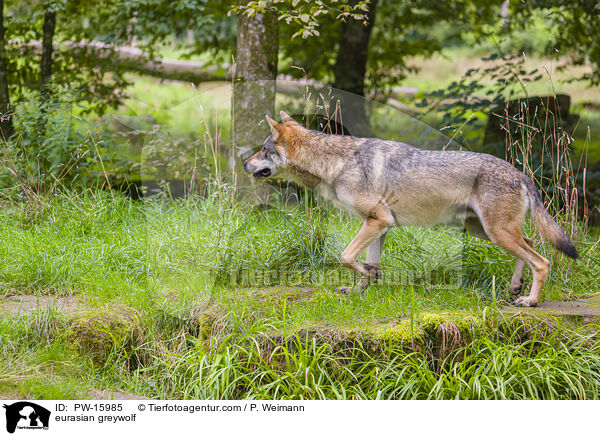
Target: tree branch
x,y
134,59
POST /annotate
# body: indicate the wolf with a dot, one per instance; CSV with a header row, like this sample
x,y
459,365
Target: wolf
x,y
389,183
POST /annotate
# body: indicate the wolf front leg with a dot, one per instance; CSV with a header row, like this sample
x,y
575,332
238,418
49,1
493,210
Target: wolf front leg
x,y
374,259
371,235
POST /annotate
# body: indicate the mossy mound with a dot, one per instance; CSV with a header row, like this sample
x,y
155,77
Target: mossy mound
x,y
101,333
407,334
448,331
437,334
204,323
372,340
199,321
283,296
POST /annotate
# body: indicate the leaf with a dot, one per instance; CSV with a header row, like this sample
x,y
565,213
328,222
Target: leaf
x,y
297,34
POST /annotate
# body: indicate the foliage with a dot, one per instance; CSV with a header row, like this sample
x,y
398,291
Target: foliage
x,y
94,78
577,32
82,71
67,152
481,89
309,35
402,30
302,14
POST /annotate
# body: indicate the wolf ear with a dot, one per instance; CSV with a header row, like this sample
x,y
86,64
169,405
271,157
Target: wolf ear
x,y
285,117
271,122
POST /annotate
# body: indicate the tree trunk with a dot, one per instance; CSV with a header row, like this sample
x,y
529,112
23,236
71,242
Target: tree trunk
x,y
350,69
254,80
46,75
6,126
47,49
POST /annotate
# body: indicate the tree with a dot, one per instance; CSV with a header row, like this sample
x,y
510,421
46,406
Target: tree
x,y
80,73
90,72
351,67
46,65
366,49
47,49
6,126
351,64
255,74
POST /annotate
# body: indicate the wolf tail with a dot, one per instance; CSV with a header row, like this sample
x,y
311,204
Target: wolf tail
x,y
544,222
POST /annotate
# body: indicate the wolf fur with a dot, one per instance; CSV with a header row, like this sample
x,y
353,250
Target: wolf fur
x,y
388,183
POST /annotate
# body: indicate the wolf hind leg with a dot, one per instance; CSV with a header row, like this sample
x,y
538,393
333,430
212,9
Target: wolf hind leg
x,y
509,237
475,228
516,283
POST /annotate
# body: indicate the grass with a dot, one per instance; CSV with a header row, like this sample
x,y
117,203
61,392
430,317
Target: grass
x,y
205,333
182,107
303,369
106,246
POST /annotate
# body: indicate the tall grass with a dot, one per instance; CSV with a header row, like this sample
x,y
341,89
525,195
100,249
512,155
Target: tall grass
x,y
308,369
202,337
540,144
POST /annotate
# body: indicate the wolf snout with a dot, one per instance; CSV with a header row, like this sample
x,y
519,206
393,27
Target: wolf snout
x,y
248,167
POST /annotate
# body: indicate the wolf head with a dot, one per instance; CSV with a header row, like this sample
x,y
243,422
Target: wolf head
x,y
273,154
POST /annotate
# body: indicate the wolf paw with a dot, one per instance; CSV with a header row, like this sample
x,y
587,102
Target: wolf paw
x,y
373,271
516,290
344,290
525,302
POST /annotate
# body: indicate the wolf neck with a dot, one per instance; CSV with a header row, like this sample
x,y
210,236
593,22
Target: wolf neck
x,y
314,157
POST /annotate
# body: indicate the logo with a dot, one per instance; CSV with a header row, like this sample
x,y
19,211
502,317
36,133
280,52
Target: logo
x,y
26,415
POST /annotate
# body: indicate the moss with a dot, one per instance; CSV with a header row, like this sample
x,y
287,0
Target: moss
x,y
201,324
431,322
197,320
409,335
469,326
100,333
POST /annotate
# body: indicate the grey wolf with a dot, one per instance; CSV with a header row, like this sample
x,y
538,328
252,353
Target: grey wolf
x,y
388,183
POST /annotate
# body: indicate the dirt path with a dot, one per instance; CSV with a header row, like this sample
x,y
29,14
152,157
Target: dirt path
x,y
587,310
24,304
